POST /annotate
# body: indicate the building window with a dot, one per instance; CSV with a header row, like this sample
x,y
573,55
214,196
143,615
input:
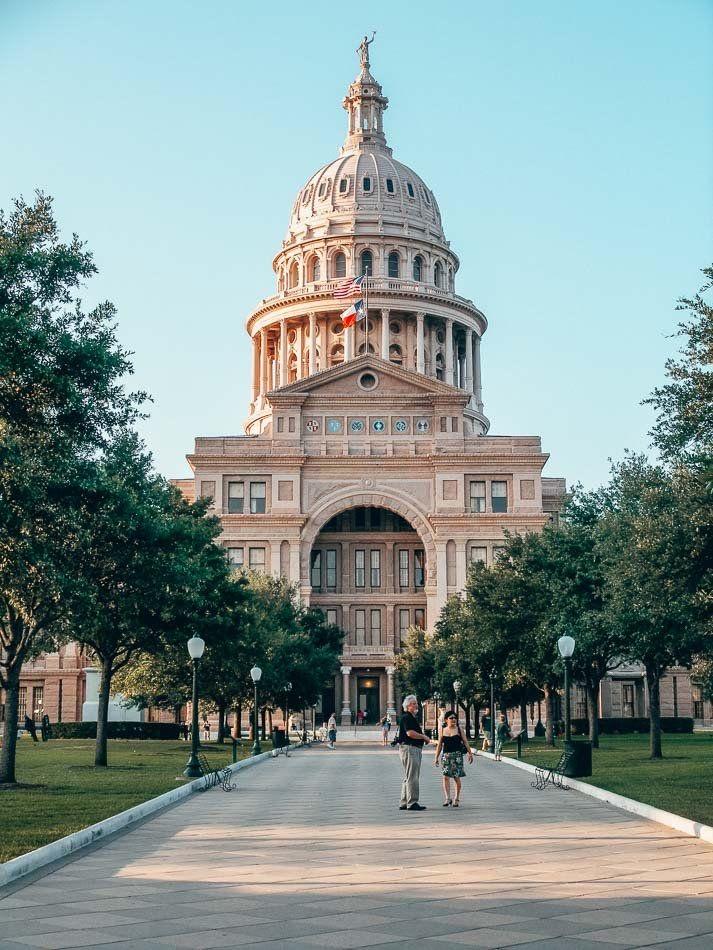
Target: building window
x,y
360,519
343,186
367,183
38,701
359,568
419,568
403,568
340,265
359,626
332,616
438,275
390,185
418,267
22,704
367,263
478,555
393,264
698,707
498,552
404,620
236,498
419,617
376,626
236,557
375,563
409,188
331,559
257,498
627,700
256,559
316,570
499,496
477,497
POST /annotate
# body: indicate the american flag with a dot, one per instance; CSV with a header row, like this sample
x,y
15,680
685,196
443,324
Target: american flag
x,y
351,287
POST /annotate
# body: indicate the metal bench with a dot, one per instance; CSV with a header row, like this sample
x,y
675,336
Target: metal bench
x,y
554,775
214,777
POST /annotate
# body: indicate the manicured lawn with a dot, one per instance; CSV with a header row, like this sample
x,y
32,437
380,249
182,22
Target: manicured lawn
x,y
63,792
682,782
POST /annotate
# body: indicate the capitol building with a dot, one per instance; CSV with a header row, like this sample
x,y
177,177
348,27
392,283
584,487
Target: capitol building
x,y
367,474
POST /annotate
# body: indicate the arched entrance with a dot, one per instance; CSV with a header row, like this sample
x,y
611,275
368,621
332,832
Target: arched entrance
x,y
366,568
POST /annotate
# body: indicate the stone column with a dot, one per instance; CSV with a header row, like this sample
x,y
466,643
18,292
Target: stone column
x,y
478,387
256,368
469,360
346,715
263,362
312,343
385,336
348,343
294,562
283,352
449,351
275,558
390,699
299,345
420,349
434,346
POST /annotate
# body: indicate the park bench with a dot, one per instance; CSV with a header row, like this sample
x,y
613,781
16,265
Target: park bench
x,y
214,777
553,776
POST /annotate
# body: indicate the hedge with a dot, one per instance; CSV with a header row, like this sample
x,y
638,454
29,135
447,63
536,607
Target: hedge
x,y
609,726
116,730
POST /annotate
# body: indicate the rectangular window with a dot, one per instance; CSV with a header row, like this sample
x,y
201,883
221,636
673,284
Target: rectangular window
x,y
419,617
628,700
404,621
390,185
477,497
359,568
359,627
403,568
331,559
375,627
236,498
332,616
478,554
236,557
38,701
257,498
499,496
256,559
375,564
316,569
498,551
22,704
419,568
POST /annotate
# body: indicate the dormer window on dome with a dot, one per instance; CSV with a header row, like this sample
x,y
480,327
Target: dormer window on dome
x,y
409,188
390,185
366,183
343,186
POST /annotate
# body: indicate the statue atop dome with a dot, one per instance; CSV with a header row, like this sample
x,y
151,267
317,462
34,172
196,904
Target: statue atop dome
x,y
363,50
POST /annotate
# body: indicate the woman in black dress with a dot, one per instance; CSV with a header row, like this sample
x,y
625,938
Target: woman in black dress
x,y
452,745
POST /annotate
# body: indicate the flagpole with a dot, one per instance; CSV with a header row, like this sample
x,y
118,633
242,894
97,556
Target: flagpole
x,y
366,308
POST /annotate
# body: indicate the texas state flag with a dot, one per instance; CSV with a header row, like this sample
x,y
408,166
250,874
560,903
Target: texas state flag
x,y
352,314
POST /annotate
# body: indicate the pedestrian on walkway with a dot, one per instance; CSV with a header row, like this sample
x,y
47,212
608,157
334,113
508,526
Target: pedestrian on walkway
x,y
485,730
206,730
452,744
385,726
31,727
502,734
411,742
332,731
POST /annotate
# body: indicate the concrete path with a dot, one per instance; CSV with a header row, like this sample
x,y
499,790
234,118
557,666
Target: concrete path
x,y
313,852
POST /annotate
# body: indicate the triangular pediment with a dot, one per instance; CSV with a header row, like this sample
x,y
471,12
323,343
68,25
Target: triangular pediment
x,y
347,380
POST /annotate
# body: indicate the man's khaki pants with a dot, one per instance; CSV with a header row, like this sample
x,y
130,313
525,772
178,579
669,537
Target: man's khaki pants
x,y
411,762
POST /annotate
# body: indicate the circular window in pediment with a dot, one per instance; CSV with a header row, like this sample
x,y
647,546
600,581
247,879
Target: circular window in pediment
x,y
368,381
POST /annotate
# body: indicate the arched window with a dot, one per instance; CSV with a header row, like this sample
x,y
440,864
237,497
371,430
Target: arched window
x,y
337,355
362,349
393,264
418,267
294,274
315,269
440,367
438,274
340,265
292,368
367,263
450,278
395,354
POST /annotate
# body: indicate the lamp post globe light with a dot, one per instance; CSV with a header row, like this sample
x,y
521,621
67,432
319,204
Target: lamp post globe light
x,y
436,701
255,674
196,646
565,645
456,691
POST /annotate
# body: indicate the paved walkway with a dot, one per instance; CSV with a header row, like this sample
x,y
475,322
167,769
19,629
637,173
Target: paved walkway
x,y
313,852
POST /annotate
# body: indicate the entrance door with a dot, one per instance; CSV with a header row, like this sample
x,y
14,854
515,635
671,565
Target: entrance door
x,y
368,699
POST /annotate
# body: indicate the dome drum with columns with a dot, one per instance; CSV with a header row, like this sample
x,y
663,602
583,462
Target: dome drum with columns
x,y
366,213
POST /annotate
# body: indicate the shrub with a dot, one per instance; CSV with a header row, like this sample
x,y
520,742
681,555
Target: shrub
x,y
117,730
628,725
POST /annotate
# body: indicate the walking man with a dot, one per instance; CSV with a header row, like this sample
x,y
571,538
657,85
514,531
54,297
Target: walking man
x,y
411,742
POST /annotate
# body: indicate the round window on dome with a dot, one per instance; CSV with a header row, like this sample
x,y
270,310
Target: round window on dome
x,y
337,328
395,327
368,381
292,336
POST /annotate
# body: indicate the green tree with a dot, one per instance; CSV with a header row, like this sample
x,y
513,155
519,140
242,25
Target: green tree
x,y
61,401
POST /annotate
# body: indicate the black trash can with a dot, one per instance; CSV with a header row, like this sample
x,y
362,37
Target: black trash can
x,y
278,739
579,764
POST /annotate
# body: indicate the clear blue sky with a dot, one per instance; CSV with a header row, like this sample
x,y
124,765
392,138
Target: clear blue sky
x,y
569,145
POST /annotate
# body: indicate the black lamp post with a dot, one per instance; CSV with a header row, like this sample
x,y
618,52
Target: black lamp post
x,y
456,691
196,646
314,721
288,687
255,674
436,700
492,710
565,645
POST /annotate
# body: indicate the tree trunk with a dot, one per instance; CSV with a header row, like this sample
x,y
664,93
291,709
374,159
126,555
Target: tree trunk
x,y
523,721
476,720
592,690
9,744
263,723
100,748
467,719
238,721
221,724
550,713
653,681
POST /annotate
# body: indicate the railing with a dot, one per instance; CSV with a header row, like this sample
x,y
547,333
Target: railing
x,y
376,285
